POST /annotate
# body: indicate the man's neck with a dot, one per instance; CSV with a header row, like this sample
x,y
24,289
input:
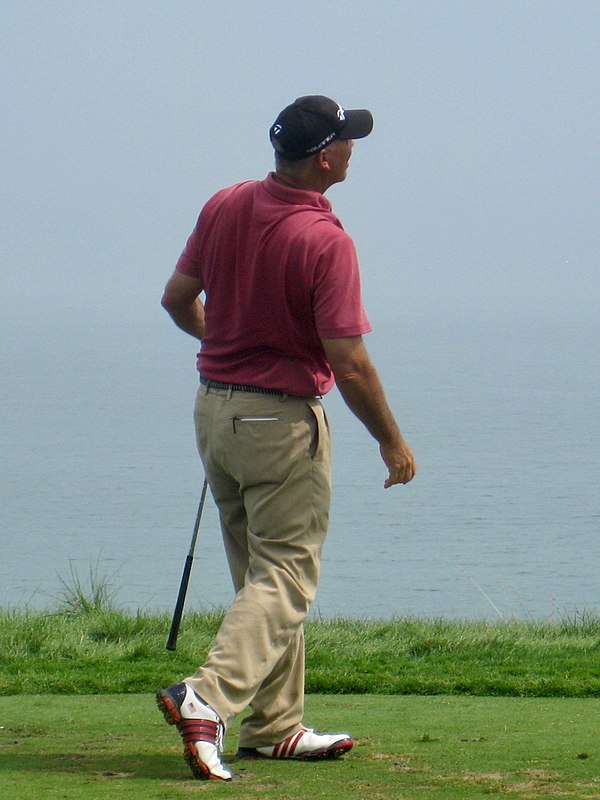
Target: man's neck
x,y
310,183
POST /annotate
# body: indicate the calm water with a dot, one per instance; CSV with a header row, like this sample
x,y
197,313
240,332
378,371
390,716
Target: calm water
x,y
99,470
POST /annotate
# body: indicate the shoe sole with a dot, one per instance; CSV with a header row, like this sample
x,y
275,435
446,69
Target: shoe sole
x,y
172,716
336,750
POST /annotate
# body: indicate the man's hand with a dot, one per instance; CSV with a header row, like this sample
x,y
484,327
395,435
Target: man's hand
x,y
361,388
400,463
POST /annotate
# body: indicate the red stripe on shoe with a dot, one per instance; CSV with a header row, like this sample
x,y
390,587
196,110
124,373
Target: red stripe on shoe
x,y
282,747
276,749
199,730
293,742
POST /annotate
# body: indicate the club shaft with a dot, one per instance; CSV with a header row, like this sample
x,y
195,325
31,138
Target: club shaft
x,y
185,576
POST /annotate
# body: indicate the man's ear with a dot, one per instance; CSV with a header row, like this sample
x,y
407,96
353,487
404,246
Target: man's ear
x,y
323,159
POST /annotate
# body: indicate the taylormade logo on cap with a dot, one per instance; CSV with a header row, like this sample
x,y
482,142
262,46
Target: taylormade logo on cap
x,y
312,122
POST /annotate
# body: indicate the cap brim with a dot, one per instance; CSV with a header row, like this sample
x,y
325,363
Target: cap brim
x,y
359,123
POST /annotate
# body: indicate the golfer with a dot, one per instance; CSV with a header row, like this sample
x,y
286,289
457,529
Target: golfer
x,y
281,322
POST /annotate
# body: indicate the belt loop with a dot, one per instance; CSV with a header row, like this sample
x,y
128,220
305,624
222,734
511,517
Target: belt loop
x,y
229,391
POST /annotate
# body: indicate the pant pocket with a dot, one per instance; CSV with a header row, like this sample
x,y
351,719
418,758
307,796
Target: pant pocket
x,y
320,444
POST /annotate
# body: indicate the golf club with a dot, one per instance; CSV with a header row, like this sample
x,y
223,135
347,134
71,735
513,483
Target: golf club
x,y
185,577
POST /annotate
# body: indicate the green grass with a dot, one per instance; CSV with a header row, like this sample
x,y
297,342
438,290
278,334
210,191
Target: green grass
x,y
109,651
407,748
440,710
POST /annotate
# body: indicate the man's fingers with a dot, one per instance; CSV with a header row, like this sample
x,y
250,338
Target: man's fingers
x,y
401,475
400,462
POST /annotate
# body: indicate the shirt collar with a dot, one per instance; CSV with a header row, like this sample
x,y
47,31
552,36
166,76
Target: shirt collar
x,y
289,194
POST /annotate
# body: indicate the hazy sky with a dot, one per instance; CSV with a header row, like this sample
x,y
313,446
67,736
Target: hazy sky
x,y
478,189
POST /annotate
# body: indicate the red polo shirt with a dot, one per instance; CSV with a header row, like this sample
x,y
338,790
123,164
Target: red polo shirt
x,y
279,272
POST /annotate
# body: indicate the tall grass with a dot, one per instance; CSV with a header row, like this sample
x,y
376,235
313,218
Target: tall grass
x,y
104,649
96,593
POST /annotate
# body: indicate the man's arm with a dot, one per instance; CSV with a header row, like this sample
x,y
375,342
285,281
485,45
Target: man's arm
x,y
181,299
363,392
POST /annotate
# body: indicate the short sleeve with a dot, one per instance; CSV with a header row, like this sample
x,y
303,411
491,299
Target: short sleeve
x,y
337,298
189,261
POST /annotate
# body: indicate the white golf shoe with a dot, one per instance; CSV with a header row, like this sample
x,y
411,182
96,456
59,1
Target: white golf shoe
x,y
200,727
305,744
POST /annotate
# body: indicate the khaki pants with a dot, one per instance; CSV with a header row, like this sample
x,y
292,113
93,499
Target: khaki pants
x,y
268,464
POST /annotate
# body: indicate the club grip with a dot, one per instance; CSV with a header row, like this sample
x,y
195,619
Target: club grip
x,y
178,613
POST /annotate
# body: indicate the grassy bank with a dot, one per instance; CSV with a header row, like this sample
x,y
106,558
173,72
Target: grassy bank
x,y
109,651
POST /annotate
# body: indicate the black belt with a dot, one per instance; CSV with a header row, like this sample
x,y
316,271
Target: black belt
x,y
238,387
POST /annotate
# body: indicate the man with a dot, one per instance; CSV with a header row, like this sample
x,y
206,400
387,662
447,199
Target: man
x,y
282,320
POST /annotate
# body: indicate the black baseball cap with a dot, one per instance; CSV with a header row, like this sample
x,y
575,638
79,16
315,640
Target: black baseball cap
x,y
312,122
